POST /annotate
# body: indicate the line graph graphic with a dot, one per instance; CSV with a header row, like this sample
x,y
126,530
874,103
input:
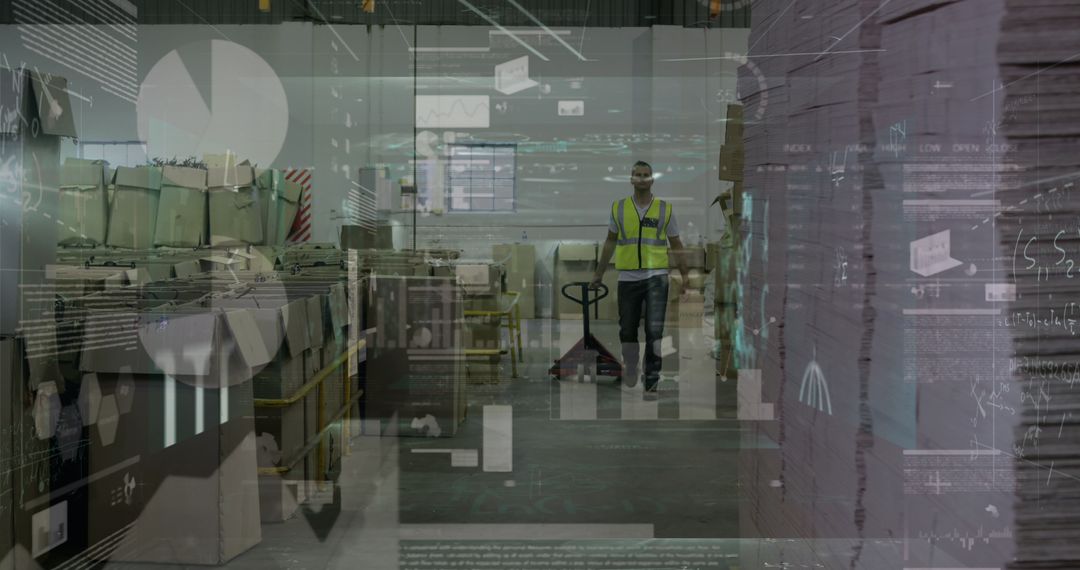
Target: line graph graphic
x,y
453,111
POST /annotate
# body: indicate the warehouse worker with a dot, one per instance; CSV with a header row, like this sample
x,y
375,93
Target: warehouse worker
x,y
639,231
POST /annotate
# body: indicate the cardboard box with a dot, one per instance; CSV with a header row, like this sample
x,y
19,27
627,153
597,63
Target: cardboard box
x,y
483,333
123,441
201,494
224,346
278,201
312,470
182,210
577,251
279,431
479,278
84,203
265,258
201,490
384,237
520,263
737,205
693,255
574,262
236,218
316,335
134,212
608,309
732,163
733,133
357,237
675,279
334,398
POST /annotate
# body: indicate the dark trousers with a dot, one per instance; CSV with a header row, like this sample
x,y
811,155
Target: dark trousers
x,y
646,298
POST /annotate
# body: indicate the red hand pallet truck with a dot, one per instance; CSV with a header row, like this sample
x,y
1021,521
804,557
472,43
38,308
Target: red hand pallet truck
x,y
588,359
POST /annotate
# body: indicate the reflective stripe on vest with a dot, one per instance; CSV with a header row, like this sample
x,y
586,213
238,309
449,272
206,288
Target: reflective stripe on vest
x,y
639,247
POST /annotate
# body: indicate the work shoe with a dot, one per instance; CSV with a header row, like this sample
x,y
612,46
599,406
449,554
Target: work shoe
x,y
651,394
629,377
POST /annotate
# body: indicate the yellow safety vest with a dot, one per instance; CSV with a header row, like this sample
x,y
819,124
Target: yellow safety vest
x,y
641,244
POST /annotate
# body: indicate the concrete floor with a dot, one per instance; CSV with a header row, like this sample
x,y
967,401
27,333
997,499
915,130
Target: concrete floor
x,y
647,486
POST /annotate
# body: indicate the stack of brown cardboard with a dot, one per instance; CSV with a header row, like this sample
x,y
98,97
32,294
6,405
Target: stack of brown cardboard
x,y
682,319
235,216
205,469
336,317
84,203
134,212
181,214
693,256
520,262
279,430
574,262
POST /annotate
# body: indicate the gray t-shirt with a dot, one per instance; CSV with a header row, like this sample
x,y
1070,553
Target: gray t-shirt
x,y
642,274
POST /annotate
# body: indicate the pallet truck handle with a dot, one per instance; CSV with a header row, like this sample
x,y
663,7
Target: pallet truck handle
x,y
581,301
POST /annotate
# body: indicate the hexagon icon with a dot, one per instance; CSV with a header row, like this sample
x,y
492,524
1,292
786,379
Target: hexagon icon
x,y
108,418
125,392
46,410
89,399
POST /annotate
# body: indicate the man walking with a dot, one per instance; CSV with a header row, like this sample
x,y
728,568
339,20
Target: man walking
x,y
640,229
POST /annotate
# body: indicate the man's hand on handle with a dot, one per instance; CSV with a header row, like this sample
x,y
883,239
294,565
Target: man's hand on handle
x,y
597,279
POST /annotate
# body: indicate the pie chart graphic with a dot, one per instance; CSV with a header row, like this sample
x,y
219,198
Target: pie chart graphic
x,y
209,97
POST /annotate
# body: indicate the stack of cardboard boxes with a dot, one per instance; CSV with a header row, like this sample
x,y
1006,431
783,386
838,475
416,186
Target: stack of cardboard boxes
x,y
574,262
164,372
84,203
236,217
133,213
683,317
227,205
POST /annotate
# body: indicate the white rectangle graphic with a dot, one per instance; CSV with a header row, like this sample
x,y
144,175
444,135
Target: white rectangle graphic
x,y
998,292
573,108
498,439
577,400
50,529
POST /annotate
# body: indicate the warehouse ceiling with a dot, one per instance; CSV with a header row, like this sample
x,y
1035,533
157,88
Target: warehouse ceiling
x,y
589,13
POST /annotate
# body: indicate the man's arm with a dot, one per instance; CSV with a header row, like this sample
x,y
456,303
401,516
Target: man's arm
x,y
680,260
605,258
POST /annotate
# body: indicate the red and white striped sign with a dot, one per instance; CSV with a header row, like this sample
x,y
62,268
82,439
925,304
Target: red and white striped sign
x,y
301,228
